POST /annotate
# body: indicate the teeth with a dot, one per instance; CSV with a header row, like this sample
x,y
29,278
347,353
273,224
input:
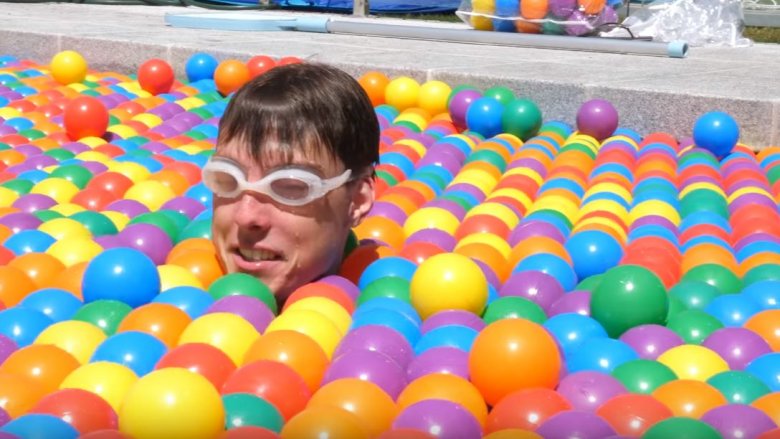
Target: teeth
x,y
257,255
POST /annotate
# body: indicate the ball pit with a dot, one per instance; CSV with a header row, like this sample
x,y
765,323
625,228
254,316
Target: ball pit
x,y
516,277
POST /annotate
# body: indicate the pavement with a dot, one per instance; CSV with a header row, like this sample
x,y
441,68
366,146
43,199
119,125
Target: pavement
x,y
651,93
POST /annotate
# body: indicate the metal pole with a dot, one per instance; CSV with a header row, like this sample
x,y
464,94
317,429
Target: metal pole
x,y
360,8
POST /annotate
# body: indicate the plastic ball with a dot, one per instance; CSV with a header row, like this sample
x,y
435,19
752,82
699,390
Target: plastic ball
x,y
231,75
85,411
507,344
260,64
68,67
402,92
85,116
716,132
242,409
362,398
459,103
274,382
444,419
156,76
200,66
38,425
110,381
597,118
484,116
324,422
521,118
681,427
374,84
122,274
228,332
433,96
693,362
448,281
172,403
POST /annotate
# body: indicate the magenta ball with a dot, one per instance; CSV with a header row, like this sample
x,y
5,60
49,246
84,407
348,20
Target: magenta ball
x,y
185,205
30,203
343,284
575,424
452,317
738,346
529,229
650,341
588,390
378,338
536,286
572,302
437,237
441,418
442,359
459,105
251,309
371,366
738,421
597,118
562,8
148,239
7,347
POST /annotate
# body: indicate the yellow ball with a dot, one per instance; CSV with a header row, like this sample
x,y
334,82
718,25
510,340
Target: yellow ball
x,y
477,177
148,119
119,219
111,381
402,93
7,197
75,337
314,324
172,276
498,210
68,67
327,307
92,141
151,193
490,239
67,209
172,403
431,218
448,281
515,194
479,9
134,171
227,332
62,228
58,189
433,97
416,145
71,251
693,362
654,207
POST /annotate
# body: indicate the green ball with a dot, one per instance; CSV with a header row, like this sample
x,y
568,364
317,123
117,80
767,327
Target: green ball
x,y
681,428
514,307
464,203
550,27
704,200
60,154
738,386
522,118
643,376
242,284
500,93
161,220
245,409
47,215
387,286
694,294
716,275
105,314
19,185
629,296
97,223
694,325
196,229
761,272
676,306
75,174
486,155
387,177
590,283
179,219
32,134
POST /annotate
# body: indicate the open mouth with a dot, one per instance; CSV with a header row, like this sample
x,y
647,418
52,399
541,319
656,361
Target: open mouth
x,y
255,255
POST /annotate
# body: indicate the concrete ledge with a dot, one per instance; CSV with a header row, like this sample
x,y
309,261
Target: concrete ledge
x,y
651,93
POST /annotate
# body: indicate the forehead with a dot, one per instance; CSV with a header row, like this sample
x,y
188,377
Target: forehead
x,y
274,155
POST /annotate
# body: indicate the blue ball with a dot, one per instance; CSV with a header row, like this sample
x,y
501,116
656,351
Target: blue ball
x,y
123,274
484,117
593,252
733,310
572,330
39,426
398,160
454,336
22,325
57,304
765,293
389,266
137,350
393,304
200,66
767,369
392,319
192,300
716,132
28,241
600,355
550,264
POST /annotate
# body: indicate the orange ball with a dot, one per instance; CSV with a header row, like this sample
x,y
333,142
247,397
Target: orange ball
x,y
769,404
374,84
15,285
448,387
591,7
171,179
766,324
381,229
509,345
70,279
230,75
202,263
46,365
41,268
690,398
162,320
190,244
533,9
19,393
525,409
364,399
296,350
324,422
632,414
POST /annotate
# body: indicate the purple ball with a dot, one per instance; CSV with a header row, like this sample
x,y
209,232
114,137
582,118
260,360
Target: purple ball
x,y
7,347
446,159
4,418
148,239
388,210
588,390
251,309
184,205
608,15
738,346
131,208
755,237
94,167
448,205
459,105
528,229
530,163
32,150
653,220
109,241
155,147
490,274
469,189
442,359
562,8
579,25
575,424
441,418
572,302
650,341
371,366
19,221
738,421
536,286
750,199
452,317
597,118
377,338
34,202
437,237
6,129
343,284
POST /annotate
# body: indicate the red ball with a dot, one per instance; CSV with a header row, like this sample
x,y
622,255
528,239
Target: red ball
x,y
85,411
85,116
156,76
289,60
260,64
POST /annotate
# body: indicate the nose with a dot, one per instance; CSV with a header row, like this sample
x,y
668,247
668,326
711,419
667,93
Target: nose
x,y
253,212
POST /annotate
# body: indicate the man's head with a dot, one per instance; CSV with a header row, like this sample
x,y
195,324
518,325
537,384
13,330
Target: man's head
x,y
294,165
